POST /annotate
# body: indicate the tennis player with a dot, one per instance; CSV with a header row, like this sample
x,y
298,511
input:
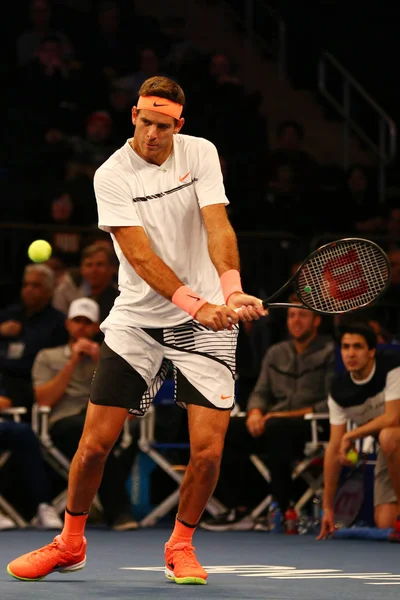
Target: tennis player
x,y
367,394
161,197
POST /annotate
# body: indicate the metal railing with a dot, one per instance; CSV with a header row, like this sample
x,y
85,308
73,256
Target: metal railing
x,y
355,98
264,26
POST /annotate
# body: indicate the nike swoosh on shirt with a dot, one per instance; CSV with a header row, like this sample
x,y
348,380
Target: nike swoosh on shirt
x,y
225,397
184,177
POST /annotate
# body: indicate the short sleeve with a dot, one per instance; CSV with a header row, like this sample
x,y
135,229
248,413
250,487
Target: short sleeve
x,y
41,370
209,185
392,388
337,415
114,201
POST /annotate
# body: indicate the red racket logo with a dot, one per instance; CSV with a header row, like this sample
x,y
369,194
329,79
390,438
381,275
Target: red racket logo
x,y
341,271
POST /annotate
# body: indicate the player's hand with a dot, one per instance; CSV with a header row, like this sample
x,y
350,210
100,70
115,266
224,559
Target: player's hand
x,y
10,328
216,317
249,308
255,423
327,525
345,446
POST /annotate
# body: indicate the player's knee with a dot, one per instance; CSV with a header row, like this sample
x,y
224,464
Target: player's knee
x,y
206,459
93,451
389,440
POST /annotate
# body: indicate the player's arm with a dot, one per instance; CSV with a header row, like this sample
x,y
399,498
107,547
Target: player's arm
x,y
137,249
332,469
223,250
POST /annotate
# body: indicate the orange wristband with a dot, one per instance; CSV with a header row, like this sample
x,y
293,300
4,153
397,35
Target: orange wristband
x,y
188,300
230,283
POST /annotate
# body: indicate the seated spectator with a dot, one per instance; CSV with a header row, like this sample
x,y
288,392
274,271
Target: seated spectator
x,y
61,379
119,104
367,394
88,153
41,27
26,328
388,306
356,205
67,241
27,475
94,279
289,152
110,51
149,66
295,379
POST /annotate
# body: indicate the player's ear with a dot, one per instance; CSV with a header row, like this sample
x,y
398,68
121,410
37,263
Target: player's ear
x,y
317,320
134,115
179,124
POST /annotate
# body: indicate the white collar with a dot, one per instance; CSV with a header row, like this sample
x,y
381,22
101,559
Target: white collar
x,y
362,381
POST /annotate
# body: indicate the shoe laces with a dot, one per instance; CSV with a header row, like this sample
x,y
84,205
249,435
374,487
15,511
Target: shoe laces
x,y
186,554
40,551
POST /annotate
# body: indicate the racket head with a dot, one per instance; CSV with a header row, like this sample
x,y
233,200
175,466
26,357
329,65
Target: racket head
x,y
349,499
343,276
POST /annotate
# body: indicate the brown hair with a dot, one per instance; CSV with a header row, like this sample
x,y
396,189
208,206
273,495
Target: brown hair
x,y
93,249
164,88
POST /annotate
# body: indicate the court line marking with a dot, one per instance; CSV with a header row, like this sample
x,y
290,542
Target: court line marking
x,y
288,573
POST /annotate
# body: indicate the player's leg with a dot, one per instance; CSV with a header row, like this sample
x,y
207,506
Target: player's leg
x,y
102,428
116,387
207,429
387,478
205,385
68,551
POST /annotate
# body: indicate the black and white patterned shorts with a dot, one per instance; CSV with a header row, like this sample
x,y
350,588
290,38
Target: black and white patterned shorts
x,y
134,363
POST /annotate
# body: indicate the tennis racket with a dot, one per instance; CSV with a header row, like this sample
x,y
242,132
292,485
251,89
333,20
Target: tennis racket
x,y
339,277
350,494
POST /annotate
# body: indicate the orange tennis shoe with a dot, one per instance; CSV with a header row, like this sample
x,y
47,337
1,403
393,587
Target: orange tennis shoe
x,y
181,564
35,565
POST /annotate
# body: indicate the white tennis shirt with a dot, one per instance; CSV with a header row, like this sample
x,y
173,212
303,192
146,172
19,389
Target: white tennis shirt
x,y
165,200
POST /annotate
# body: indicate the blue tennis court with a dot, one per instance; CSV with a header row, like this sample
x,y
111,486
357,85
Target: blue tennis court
x,y
254,565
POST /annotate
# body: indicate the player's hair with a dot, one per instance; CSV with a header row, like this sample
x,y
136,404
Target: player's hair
x,y
164,88
45,271
359,328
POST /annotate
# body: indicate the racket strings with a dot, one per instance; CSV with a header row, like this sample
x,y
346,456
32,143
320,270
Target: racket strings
x,y
342,277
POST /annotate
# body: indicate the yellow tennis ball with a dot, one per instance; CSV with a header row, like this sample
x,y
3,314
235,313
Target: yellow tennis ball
x,y
352,456
39,251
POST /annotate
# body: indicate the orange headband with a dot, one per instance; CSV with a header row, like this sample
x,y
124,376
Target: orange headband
x,y
161,105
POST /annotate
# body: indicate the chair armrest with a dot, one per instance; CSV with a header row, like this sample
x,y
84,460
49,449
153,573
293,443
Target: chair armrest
x,y
40,421
314,418
126,438
147,429
15,412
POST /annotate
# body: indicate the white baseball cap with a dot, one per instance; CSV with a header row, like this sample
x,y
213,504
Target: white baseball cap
x,y
84,307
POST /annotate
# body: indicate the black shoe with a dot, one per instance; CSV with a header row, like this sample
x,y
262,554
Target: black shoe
x,y
232,520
